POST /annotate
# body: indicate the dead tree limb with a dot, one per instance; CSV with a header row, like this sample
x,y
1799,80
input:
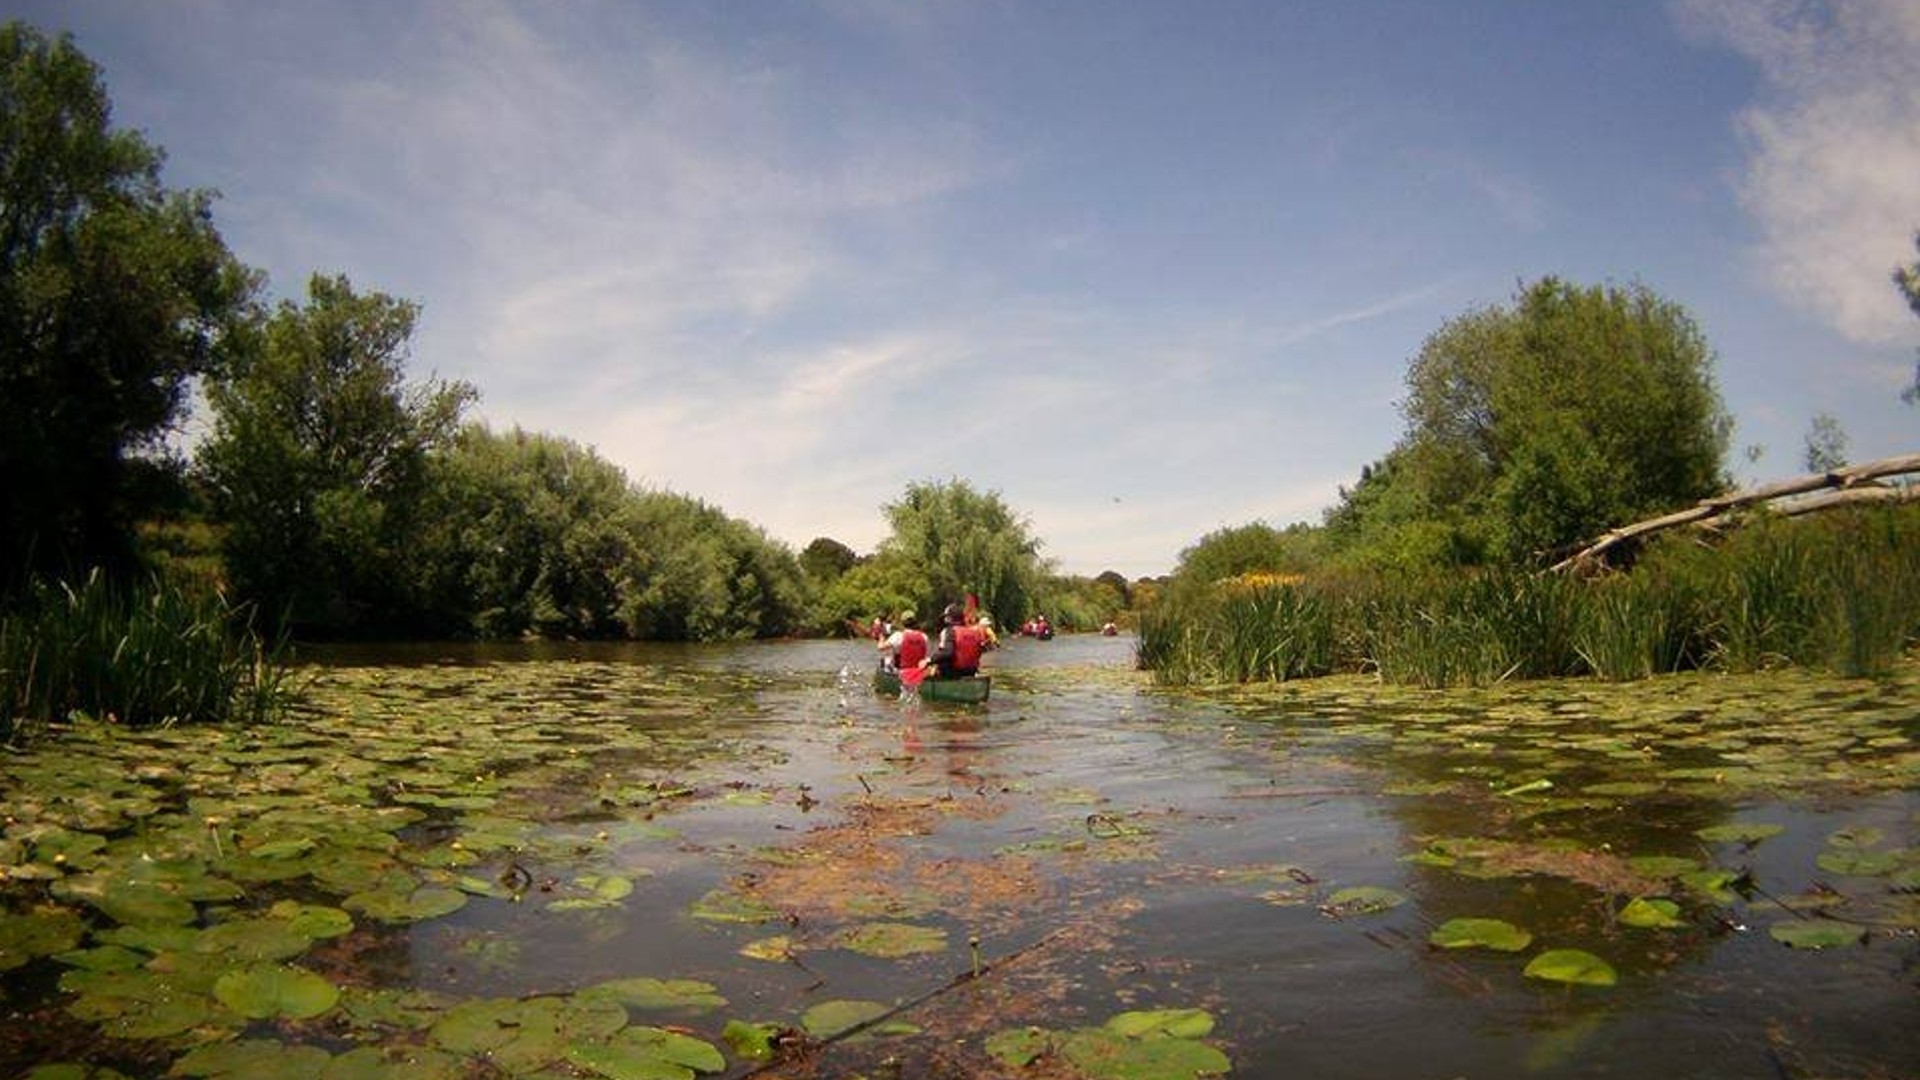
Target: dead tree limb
x,y
1845,486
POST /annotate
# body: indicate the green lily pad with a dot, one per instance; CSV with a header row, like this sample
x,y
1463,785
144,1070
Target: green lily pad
x,y
1104,1055
1173,1023
751,1041
1362,900
415,905
830,1018
251,1059
271,990
42,932
254,939
1856,863
726,905
649,1053
886,939
1739,833
1467,933
313,920
396,1063
1817,933
778,948
1574,966
658,994
1652,914
1863,836
521,1036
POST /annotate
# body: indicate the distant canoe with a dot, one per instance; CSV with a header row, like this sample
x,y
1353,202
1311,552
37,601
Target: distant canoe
x,y
971,688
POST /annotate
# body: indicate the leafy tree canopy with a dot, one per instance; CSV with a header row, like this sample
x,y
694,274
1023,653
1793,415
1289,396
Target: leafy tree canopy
x,y
318,457
965,541
1532,426
114,293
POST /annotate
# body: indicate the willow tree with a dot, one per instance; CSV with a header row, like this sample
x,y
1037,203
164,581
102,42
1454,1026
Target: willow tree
x,y
965,542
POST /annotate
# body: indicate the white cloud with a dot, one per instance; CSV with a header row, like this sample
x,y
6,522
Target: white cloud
x,y
1833,151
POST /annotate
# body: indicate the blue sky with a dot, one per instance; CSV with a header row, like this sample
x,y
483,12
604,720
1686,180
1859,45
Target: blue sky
x,y
1146,269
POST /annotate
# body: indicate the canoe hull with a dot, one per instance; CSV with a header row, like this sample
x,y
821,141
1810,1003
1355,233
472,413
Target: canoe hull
x,y
971,689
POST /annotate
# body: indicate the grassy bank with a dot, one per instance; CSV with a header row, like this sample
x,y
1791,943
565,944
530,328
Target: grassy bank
x,y
1839,593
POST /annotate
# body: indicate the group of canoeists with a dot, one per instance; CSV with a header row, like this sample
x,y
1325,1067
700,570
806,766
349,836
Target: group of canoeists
x,y
910,655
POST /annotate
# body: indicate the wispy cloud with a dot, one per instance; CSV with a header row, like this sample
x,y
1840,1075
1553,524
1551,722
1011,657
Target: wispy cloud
x,y
1833,150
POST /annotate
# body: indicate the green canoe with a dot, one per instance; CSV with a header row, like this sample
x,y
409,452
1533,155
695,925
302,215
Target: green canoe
x,y
971,688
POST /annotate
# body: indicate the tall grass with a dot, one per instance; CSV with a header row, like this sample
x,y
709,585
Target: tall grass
x,y
148,656
1840,591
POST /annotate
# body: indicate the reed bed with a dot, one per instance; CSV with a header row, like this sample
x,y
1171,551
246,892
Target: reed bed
x,y
1840,592
142,656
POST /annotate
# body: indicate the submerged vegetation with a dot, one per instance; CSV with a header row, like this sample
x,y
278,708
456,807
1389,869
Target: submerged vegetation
x,y
1840,593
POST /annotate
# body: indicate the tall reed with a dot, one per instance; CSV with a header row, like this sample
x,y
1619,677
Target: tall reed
x,y
146,656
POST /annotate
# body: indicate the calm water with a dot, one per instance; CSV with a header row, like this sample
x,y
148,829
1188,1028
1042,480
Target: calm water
x,y
1112,846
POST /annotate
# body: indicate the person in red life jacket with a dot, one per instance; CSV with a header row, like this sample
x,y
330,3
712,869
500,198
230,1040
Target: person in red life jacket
x,y
957,654
905,652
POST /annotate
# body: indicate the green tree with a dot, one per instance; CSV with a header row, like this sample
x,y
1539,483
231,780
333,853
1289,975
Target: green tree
x,y
825,559
1255,547
1531,427
318,459
965,541
114,293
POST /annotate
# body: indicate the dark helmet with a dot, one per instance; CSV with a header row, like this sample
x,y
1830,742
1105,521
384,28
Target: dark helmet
x,y
953,614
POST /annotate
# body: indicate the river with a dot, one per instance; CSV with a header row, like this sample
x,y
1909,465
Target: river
x,y
1084,846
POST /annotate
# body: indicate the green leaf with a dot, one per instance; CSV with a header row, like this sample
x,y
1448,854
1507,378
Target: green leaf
x,y
1739,832
658,994
37,933
1571,966
1652,914
1174,1023
1362,900
1103,1055
887,939
830,1018
751,1041
1817,933
1467,933
251,1059
1019,1047
649,1053
726,905
271,990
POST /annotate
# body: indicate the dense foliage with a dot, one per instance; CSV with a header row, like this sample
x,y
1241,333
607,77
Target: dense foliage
x,y
1534,426
114,293
962,541
318,461
536,535
1839,592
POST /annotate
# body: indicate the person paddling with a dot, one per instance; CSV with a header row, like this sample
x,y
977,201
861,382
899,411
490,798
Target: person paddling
x,y
958,653
905,652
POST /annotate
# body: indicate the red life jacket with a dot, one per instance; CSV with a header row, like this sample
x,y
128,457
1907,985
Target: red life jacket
x,y
913,649
967,641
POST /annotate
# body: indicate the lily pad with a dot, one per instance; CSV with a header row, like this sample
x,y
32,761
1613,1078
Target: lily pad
x,y
658,994
751,1041
1104,1055
1817,933
887,939
1575,966
1174,1023
1362,900
649,1053
727,905
1853,862
271,990
396,906
830,1018
1467,933
1739,832
42,932
1651,914
251,1059
1019,1047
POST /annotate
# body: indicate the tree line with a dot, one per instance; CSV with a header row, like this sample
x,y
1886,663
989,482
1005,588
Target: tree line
x,y
332,489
